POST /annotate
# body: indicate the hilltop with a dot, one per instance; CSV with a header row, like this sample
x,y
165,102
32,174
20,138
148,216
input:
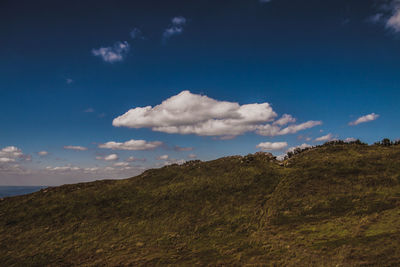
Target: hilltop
x,y
333,205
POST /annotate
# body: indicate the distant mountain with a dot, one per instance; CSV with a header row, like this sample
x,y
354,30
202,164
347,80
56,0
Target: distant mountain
x,y
334,205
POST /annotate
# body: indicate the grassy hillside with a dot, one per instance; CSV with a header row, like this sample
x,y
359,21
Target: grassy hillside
x,y
335,205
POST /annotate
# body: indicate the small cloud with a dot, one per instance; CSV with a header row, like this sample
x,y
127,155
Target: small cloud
x,y
114,53
175,28
285,119
163,157
102,115
363,119
131,145
121,164
272,146
111,157
264,1
133,159
345,21
350,139
377,18
89,110
10,154
78,148
302,146
192,156
43,153
327,137
178,148
136,34
69,81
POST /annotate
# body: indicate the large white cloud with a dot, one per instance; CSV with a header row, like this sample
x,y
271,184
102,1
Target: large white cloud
x,y
131,145
114,53
366,118
272,146
188,113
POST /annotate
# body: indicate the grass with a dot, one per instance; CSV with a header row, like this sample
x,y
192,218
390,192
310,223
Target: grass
x,y
334,205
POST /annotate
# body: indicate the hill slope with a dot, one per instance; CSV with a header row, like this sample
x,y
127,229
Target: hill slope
x,y
335,205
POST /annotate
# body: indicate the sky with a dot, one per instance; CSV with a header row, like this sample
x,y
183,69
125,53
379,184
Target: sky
x,y
107,89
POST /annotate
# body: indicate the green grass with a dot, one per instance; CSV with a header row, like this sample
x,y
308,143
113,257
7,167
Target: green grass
x,y
335,205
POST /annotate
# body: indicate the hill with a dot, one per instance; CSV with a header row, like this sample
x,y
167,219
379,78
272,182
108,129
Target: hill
x,y
334,205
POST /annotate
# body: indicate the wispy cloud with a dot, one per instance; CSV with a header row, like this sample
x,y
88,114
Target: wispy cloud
x,y
324,138
131,145
114,53
176,27
78,148
69,81
272,146
89,110
136,34
163,157
111,157
363,119
178,148
43,153
389,16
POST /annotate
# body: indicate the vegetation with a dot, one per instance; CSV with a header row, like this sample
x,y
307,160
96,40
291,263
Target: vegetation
x,y
333,205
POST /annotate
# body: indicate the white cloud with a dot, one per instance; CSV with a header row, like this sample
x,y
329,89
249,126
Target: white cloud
x,y
273,130
10,154
5,160
121,164
69,81
163,157
188,113
327,137
272,146
111,157
67,168
175,28
114,53
78,148
131,145
192,156
350,139
366,118
285,119
43,153
173,161
302,146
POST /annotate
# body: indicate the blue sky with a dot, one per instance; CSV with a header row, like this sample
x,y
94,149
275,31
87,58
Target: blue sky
x,y
227,70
